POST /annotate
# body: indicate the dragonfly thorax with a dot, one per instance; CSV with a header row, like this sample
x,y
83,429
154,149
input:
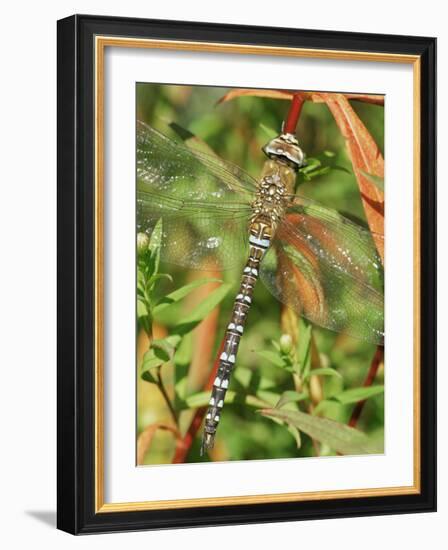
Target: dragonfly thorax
x,y
276,184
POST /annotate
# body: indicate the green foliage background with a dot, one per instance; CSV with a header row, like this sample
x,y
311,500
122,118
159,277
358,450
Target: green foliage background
x,y
236,131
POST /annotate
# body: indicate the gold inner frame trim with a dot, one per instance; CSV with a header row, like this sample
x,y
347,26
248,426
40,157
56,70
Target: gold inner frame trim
x,y
101,42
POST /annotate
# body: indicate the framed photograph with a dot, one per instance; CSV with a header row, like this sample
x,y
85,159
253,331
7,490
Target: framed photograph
x,y
246,274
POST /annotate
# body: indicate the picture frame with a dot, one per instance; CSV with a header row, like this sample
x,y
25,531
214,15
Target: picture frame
x,y
85,107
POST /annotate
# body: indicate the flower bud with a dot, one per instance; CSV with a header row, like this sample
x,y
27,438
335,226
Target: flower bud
x,y
142,243
285,344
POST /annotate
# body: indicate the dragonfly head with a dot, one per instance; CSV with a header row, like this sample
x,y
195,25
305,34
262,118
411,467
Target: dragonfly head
x,y
285,148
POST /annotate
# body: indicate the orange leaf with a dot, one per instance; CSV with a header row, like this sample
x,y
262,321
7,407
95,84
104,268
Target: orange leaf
x,y
251,92
366,158
316,97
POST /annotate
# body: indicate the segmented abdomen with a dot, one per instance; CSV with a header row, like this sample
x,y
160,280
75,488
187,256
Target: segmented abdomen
x,y
259,240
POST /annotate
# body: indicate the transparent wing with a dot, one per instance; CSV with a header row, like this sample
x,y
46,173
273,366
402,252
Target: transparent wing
x,y
327,269
165,165
204,202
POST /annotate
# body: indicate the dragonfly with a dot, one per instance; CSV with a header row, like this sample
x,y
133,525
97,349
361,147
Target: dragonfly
x,y
310,257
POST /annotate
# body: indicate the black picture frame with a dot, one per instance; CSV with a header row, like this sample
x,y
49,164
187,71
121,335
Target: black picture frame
x,y
76,255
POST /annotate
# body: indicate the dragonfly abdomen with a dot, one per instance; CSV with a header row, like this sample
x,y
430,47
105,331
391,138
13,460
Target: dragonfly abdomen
x,y
259,240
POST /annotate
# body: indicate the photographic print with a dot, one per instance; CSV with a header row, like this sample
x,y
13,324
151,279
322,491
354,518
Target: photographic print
x,y
231,346
260,274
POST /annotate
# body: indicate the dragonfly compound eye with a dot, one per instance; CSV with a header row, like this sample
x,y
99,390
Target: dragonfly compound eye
x,y
285,148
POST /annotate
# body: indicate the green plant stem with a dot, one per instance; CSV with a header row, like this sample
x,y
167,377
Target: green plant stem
x,y
163,391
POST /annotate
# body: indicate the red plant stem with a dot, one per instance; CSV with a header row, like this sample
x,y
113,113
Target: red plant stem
x,y
184,446
294,113
374,366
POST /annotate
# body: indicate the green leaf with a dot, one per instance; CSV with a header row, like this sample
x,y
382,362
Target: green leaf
x,y
184,351
182,360
304,347
326,371
273,358
331,409
157,277
143,316
193,319
180,293
341,169
165,348
311,164
276,345
270,132
290,396
324,406
253,382
153,257
150,362
320,172
140,281
156,235
340,437
192,141
332,385
161,352
354,395
201,399
296,435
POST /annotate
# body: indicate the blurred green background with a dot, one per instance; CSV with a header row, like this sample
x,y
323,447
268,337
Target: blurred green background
x,y
236,131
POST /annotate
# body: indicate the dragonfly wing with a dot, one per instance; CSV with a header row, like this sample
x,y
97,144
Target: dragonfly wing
x,y
203,203
327,269
352,245
166,165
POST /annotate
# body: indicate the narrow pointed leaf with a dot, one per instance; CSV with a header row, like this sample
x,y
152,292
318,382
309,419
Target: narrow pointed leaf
x,y
375,99
143,316
290,397
180,293
192,141
154,246
161,352
190,321
296,435
354,395
201,399
165,348
339,437
253,92
182,361
365,157
273,358
327,371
